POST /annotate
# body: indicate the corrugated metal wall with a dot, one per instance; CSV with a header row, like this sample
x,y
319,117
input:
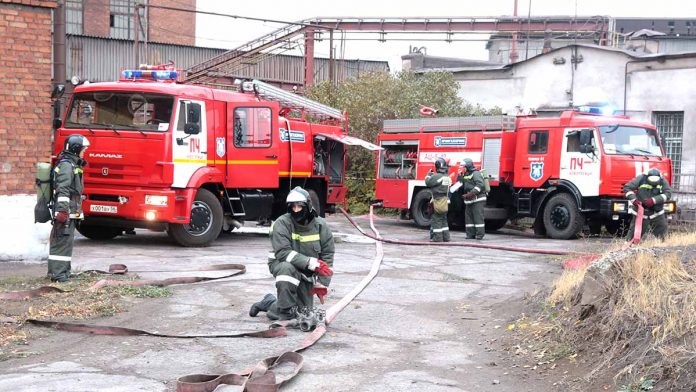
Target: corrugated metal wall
x,y
101,59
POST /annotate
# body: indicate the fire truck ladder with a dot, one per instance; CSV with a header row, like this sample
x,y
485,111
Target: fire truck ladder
x,y
292,101
234,203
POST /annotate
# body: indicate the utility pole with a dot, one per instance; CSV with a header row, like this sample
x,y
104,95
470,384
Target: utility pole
x,y
513,51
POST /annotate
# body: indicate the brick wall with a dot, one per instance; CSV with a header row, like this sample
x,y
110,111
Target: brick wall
x,y
173,27
25,71
95,18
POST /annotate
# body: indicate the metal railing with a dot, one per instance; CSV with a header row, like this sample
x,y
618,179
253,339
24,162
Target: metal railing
x,y
684,193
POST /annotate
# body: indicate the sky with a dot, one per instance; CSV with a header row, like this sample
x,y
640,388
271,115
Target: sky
x,y
225,32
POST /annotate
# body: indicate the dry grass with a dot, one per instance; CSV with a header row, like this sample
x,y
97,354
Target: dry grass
x,y
566,285
673,239
76,304
658,293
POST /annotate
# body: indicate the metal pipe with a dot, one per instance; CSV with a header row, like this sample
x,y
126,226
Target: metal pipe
x,y
626,83
136,54
59,52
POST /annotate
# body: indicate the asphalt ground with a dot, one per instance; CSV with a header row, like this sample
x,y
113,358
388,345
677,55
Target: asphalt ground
x,y
430,321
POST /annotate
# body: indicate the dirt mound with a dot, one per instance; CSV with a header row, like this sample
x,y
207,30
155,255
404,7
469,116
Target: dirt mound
x,y
631,315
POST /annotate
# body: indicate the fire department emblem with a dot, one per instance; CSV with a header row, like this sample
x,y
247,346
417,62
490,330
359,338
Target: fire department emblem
x,y
537,171
105,171
220,146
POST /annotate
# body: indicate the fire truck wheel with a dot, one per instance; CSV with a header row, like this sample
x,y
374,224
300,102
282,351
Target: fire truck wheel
x,y
95,232
206,221
420,210
562,218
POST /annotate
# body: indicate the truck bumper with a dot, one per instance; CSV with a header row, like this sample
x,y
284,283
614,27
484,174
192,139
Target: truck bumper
x,y
136,204
617,208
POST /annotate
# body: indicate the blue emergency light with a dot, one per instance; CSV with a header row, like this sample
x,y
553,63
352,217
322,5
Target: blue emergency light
x,y
606,110
149,74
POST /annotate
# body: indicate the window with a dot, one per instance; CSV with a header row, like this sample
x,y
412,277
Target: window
x,y
73,16
252,127
120,111
538,142
671,128
625,140
121,19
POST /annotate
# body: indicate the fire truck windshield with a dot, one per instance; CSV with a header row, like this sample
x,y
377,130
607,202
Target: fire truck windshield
x,y
120,110
625,140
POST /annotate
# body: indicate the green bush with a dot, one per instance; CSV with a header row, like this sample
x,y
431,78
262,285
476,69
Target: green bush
x,y
376,97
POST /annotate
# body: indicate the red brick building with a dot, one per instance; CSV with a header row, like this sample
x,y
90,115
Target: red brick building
x,y
26,65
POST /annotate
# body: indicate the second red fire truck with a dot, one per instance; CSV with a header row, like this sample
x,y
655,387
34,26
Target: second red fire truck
x,y
564,171
194,161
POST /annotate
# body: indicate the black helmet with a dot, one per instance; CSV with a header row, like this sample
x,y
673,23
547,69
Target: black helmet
x,y
653,176
75,144
441,165
469,164
299,195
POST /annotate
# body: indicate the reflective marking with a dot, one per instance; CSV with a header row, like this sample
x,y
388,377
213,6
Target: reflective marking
x,y
305,238
480,225
287,278
59,258
291,256
252,162
63,198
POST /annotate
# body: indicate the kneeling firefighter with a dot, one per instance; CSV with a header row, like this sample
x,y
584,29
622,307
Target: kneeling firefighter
x,y
67,201
652,192
439,183
474,194
301,260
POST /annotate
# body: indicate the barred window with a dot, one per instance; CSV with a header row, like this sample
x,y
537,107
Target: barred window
x,y
121,19
671,128
73,16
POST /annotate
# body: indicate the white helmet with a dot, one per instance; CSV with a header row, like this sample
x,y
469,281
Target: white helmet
x,y
299,195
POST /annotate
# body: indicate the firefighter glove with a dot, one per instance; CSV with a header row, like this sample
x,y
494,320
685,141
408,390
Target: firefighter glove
x,y
649,202
62,216
320,267
469,196
636,202
320,290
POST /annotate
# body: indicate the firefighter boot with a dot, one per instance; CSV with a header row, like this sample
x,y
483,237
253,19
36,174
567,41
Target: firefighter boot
x,y
262,306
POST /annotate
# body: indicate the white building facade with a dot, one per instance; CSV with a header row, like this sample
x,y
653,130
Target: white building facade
x,y
660,89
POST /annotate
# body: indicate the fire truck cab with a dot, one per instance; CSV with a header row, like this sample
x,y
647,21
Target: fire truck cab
x,y
194,161
564,171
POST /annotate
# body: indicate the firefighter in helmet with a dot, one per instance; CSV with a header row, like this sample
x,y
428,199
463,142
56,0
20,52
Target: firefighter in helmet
x,y
474,194
301,260
439,183
651,191
67,201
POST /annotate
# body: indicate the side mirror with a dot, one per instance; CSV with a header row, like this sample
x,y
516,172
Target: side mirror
x,y
58,91
192,129
586,136
57,123
193,113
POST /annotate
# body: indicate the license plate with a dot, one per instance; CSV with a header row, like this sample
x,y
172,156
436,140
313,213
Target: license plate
x,y
107,209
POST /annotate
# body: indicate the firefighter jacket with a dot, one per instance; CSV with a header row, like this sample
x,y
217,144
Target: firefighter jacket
x,y
472,182
640,188
297,244
438,183
68,185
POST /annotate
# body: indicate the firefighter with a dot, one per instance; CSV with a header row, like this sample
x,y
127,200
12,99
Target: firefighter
x,y
474,194
651,191
439,183
301,260
67,201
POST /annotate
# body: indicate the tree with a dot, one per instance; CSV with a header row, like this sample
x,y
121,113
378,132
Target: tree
x,y
376,97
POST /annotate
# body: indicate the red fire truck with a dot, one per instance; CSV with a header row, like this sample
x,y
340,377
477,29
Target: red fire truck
x,y
564,171
194,160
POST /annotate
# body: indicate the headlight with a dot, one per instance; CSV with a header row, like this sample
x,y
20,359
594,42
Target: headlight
x,y
150,215
619,207
670,207
156,200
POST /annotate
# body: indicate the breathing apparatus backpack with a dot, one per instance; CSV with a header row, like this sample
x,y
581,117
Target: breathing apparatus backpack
x,y
486,182
44,192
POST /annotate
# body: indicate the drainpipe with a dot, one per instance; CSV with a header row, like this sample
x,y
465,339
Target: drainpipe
x,y
626,83
59,72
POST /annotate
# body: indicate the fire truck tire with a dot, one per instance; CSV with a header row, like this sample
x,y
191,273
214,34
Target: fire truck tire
x,y
562,218
495,224
420,208
205,225
95,232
